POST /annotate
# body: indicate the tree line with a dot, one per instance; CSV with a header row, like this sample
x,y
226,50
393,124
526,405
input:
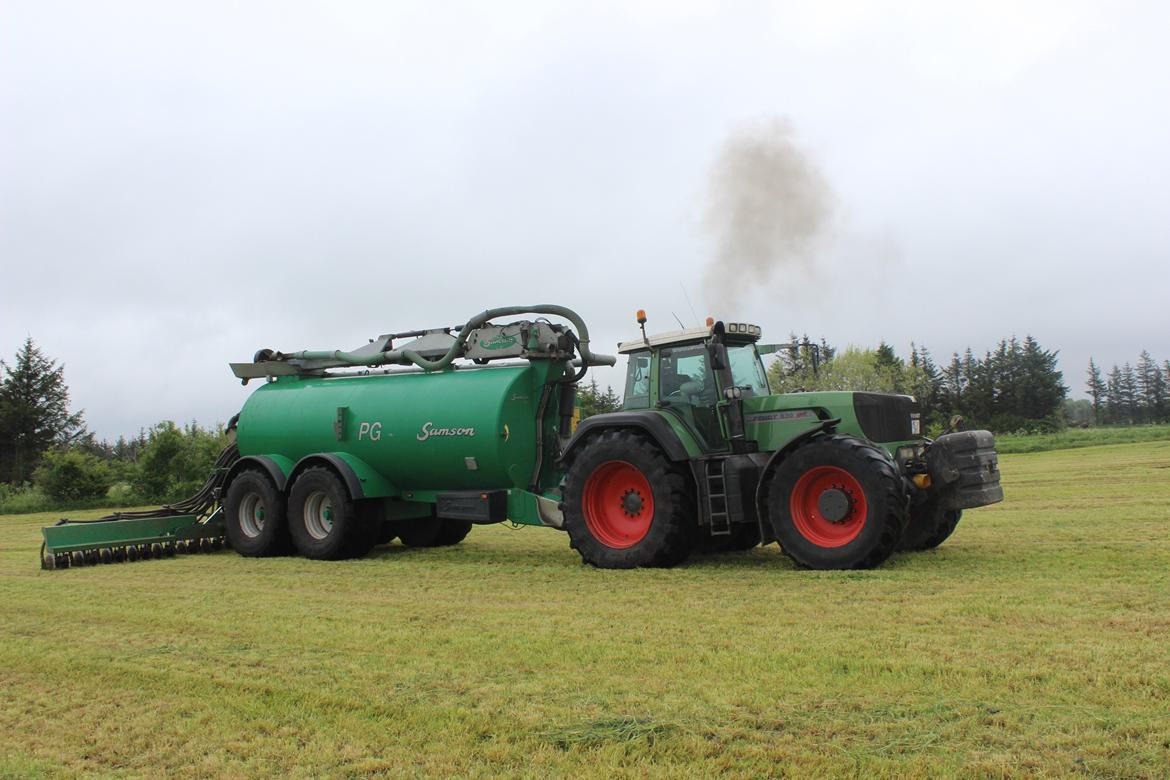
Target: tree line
x,y
48,457
1130,394
1015,387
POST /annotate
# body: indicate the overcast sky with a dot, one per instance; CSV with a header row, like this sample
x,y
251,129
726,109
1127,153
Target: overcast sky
x,y
183,183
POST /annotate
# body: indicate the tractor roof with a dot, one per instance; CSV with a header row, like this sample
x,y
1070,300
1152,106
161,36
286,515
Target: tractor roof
x,y
736,331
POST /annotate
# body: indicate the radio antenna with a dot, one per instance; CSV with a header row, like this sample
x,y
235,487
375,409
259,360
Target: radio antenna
x,y
689,304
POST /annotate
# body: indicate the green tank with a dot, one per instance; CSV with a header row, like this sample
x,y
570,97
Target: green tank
x,y
470,429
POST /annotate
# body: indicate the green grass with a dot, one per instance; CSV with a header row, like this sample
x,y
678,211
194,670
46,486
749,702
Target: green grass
x,y
1071,438
1034,642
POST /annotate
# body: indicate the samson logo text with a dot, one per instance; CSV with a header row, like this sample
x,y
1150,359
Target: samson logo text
x,y
502,341
429,430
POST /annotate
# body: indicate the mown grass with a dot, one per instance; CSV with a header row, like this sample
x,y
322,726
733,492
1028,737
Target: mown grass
x,y
1031,643
1071,438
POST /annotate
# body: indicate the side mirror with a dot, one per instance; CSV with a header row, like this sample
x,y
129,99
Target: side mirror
x,y
769,349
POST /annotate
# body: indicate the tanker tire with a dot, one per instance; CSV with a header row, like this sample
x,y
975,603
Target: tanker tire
x,y
673,525
322,520
421,532
452,532
365,534
255,489
854,463
929,526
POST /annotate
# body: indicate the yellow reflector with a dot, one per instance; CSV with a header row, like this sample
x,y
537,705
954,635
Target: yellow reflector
x,y
921,480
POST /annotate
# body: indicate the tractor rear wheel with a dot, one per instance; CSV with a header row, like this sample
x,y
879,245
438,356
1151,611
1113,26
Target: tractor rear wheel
x,y
626,505
322,519
837,502
254,515
930,525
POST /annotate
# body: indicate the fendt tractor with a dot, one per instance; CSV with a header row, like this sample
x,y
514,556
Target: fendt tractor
x,y
419,436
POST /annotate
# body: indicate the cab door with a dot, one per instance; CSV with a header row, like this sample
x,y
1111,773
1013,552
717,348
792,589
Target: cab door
x,y
686,386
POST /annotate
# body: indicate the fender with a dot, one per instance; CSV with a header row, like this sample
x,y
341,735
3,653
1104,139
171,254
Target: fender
x,y
823,426
276,467
360,480
650,423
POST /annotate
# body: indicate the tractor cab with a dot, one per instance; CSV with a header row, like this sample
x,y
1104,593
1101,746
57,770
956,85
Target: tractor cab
x,y
692,373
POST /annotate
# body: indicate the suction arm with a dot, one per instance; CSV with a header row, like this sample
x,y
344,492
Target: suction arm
x,y
403,356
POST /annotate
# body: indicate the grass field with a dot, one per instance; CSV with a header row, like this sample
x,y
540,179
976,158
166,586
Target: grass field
x,y
1035,642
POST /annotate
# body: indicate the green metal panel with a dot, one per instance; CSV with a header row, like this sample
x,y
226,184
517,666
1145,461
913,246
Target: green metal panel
x,y
374,485
446,430
773,420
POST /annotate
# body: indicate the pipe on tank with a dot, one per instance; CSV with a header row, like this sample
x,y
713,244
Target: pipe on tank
x,y
401,356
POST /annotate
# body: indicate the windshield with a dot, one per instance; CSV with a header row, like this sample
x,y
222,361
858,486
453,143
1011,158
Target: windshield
x,y
746,368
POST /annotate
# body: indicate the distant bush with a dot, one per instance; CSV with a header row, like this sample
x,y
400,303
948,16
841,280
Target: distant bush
x,y
176,461
65,476
20,499
122,494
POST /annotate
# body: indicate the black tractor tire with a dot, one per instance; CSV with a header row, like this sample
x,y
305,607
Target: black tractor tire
x,y
837,502
254,515
323,520
627,505
930,525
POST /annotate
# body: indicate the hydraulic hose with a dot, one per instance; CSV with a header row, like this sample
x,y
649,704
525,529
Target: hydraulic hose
x,y
400,356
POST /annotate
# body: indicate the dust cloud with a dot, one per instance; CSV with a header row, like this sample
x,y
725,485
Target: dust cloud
x,y
768,208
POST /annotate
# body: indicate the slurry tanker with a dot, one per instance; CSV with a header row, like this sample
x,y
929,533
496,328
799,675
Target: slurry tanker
x,y
420,436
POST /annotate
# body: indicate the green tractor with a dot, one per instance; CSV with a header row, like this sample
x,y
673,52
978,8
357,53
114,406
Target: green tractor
x,y
421,435
704,456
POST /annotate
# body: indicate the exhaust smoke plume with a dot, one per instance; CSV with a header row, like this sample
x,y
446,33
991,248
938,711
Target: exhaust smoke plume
x,y
768,207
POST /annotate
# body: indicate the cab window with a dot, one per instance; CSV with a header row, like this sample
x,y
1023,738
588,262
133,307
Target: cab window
x,y
746,369
684,376
638,381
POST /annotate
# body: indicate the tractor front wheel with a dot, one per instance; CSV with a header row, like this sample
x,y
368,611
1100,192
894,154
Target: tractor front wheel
x,y
254,515
837,502
930,525
626,505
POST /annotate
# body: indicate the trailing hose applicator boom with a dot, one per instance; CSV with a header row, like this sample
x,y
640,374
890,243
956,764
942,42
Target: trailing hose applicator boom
x,y
438,348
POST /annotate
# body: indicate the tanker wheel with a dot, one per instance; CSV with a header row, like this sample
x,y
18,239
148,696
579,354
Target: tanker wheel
x,y
930,525
837,502
452,532
433,532
323,521
626,505
254,514
420,532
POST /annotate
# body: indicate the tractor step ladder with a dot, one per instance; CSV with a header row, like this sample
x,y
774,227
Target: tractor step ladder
x,y
717,499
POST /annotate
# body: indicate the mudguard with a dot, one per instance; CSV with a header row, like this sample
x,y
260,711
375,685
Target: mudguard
x,y
651,423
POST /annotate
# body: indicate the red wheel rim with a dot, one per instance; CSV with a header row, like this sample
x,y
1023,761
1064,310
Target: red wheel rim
x,y
618,504
807,508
